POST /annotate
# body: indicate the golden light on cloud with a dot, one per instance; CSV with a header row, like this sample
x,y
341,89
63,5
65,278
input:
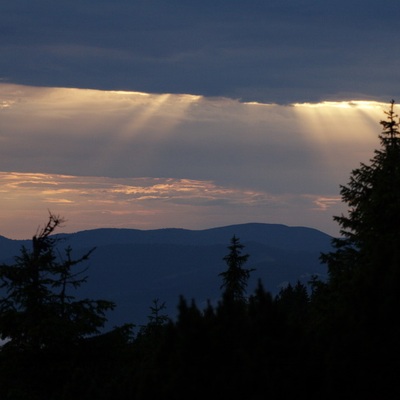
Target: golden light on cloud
x,y
330,121
141,203
342,104
325,203
131,159
342,132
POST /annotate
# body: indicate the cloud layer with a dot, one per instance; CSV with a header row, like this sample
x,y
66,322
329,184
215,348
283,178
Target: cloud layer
x,y
108,158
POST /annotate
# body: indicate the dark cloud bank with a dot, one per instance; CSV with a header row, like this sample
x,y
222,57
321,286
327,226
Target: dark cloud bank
x,y
266,51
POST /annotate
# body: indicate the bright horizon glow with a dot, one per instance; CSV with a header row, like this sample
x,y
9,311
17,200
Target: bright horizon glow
x,y
141,203
148,161
342,104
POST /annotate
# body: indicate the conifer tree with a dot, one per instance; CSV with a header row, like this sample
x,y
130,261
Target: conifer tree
x,y
368,251
37,307
235,278
355,312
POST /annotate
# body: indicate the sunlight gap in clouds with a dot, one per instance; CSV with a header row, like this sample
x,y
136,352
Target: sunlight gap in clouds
x,y
342,130
331,120
131,159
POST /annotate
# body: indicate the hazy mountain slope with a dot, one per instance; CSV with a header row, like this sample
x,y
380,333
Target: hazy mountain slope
x,y
10,248
133,267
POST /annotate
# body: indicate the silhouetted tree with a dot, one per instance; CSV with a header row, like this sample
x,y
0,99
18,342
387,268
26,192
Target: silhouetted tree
x,y
368,247
235,278
293,301
45,326
356,309
37,308
156,320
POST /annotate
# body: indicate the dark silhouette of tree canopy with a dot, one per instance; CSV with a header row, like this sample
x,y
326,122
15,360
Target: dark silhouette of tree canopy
x,y
356,310
38,308
368,250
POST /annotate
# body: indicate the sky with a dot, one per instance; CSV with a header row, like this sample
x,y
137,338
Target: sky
x,y
153,114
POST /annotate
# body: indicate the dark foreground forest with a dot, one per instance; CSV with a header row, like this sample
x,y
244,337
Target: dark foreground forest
x,y
326,339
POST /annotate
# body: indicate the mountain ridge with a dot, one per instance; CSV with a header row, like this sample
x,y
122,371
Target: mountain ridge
x,y
299,236
133,267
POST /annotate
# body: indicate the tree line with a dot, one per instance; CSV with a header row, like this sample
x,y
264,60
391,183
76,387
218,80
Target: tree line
x,y
322,339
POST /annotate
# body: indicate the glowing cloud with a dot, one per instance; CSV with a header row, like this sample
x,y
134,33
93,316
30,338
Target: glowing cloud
x,y
129,159
144,203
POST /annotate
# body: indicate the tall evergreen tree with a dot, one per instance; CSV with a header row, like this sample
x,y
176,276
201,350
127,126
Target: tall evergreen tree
x,y
356,311
235,278
368,251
